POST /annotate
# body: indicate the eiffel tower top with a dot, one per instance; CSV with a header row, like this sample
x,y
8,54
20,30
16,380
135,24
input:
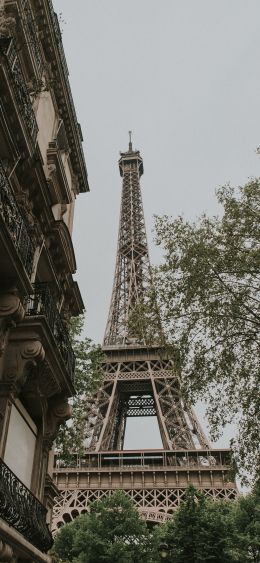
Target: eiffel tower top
x,y
132,272
130,159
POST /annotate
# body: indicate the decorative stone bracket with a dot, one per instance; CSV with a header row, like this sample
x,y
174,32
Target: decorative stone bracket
x,y
20,356
6,553
11,312
59,410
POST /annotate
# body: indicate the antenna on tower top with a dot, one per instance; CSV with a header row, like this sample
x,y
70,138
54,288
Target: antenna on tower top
x,y
130,141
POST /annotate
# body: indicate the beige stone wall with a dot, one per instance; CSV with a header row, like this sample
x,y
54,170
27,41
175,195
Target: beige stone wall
x,y
47,122
20,444
69,216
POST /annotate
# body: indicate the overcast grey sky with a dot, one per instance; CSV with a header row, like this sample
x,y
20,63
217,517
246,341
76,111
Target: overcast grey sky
x,y
184,76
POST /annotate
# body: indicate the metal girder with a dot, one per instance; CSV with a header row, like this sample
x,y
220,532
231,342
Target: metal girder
x,y
141,387
155,503
158,395
140,406
132,273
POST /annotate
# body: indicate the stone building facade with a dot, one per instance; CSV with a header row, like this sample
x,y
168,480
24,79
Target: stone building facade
x,y
42,170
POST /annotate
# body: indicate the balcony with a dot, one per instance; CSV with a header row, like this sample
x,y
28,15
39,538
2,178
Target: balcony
x,y
31,40
13,79
22,510
14,228
41,303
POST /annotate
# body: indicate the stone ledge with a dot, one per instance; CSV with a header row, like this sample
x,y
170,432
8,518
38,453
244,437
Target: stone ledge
x,y
20,545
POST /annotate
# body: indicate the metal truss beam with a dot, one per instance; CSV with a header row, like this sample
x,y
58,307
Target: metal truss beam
x,y
156,480
132,273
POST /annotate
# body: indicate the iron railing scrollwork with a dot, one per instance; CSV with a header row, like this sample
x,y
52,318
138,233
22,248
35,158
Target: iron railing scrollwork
x,y
13,219
22,510
7,49
41,302
33,40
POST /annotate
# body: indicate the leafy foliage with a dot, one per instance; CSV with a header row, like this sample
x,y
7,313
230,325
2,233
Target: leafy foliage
x,y
200,531
246,528
112,531
88,377
207,289
204,531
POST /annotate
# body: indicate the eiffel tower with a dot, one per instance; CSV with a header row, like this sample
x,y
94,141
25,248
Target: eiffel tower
x,y
138,381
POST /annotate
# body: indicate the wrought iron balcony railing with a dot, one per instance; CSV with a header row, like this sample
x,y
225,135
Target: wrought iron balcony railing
x,y
7,49
31,30
22,510
15,224
41,302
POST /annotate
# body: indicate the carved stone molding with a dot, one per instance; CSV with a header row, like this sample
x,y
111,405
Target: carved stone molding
x,y
58,412
11,312
75,184
36,401
60,191
20,357
53,182
62,247
10,305
50,492
6,553
48,384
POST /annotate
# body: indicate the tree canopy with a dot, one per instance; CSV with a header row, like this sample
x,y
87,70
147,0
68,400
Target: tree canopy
x,y
200,531
246,527
88,376
207,531
111,532
207,290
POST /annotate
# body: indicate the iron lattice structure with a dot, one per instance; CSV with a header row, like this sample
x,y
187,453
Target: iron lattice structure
x,y
139,380
133,272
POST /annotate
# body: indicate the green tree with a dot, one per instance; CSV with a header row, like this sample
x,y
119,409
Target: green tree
x,y
207,289
88,377
111,532
199,531
246,528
